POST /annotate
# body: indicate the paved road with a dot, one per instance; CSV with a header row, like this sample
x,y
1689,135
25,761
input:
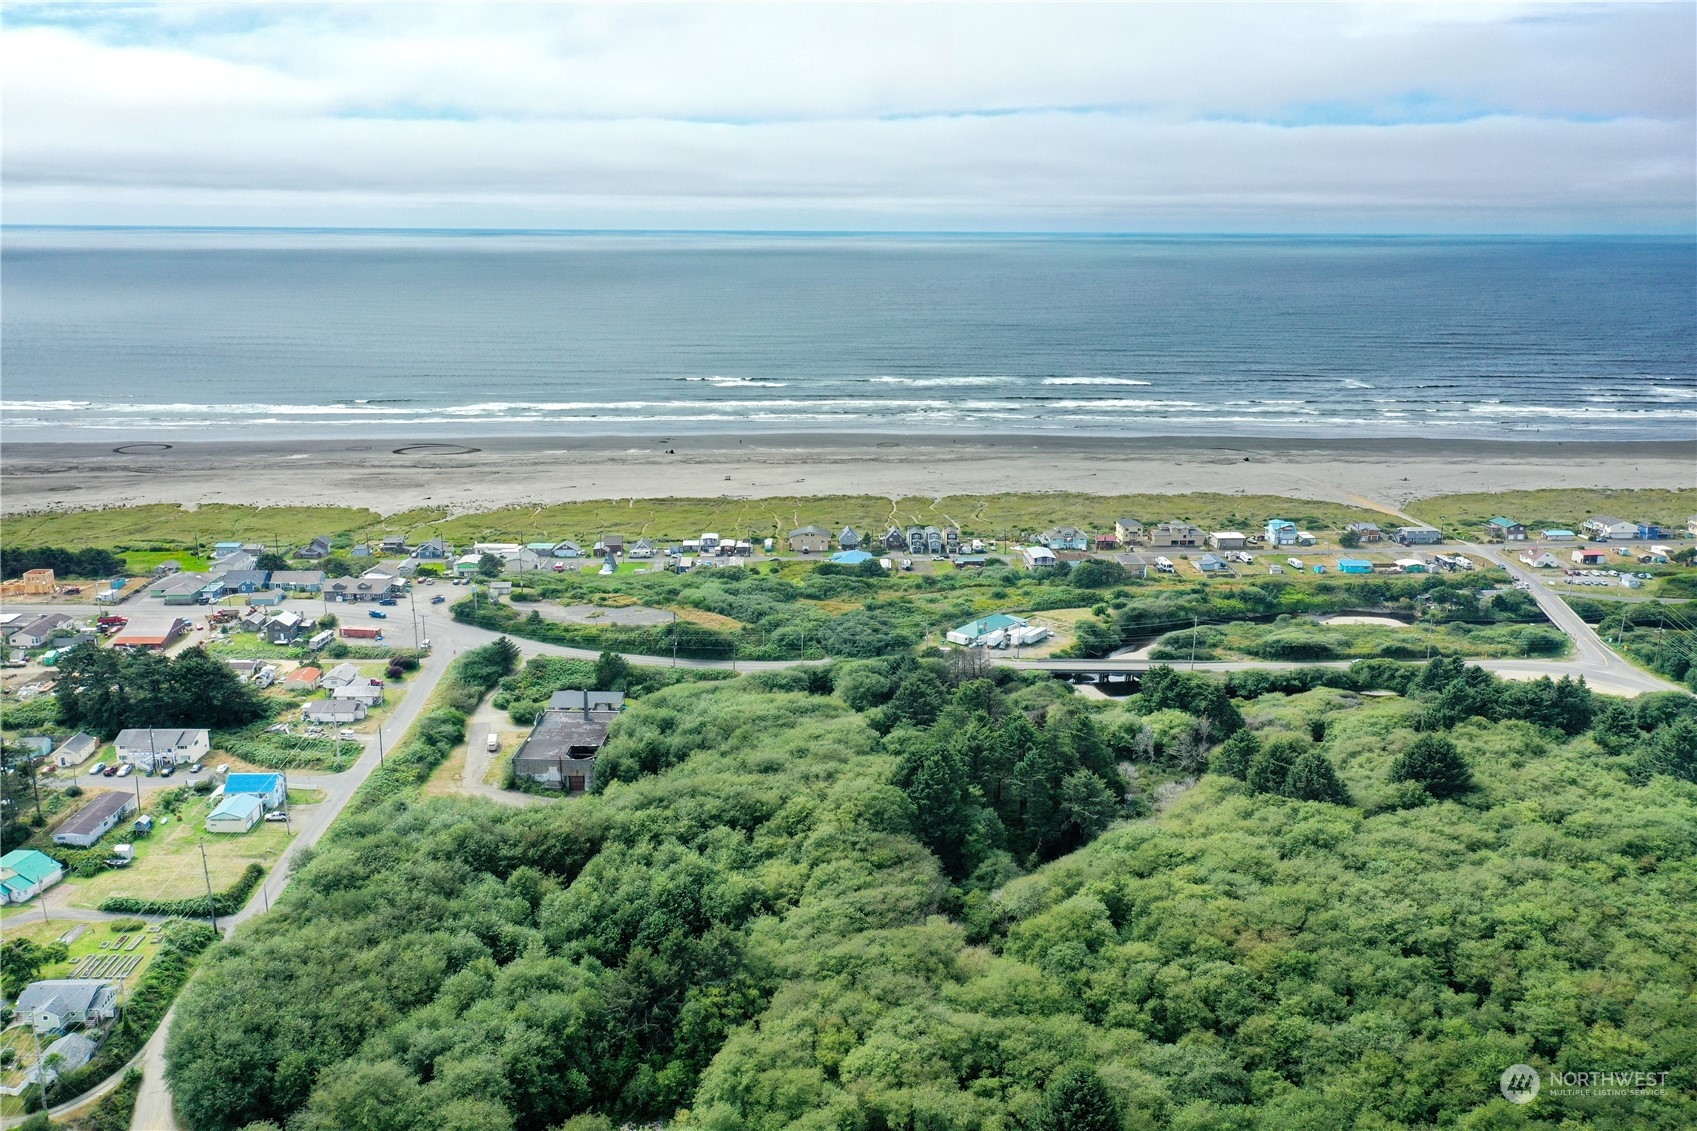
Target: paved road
x,y
485,721
1595,661
153,1111
1602,667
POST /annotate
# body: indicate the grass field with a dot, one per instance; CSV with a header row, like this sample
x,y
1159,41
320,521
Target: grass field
x,y
1555,509
168,863
95,938
160,528
140,562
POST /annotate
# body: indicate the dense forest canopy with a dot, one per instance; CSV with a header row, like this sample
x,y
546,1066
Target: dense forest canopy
x,y
896,893
104,690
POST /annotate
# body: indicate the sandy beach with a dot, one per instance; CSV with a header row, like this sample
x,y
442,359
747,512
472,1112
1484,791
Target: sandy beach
x,y
390,475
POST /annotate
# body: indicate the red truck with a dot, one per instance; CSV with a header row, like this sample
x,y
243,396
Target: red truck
x,y
363,633
109,625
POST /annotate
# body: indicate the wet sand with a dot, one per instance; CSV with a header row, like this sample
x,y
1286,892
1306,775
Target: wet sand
x,y
390,475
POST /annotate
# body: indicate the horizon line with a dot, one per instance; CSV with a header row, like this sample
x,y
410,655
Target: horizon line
x,y
840,232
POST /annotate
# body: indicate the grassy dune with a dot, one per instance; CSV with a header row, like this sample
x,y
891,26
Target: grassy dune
x,y
1559,509
988,516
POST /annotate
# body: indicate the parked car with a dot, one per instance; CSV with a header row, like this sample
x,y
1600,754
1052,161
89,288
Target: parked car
x,y
375,615
276,815
196,768
98,770
438,599
109,770
126,770
167,770
388,601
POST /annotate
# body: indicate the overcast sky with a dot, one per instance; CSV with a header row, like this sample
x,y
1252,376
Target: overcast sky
x,y
1392,118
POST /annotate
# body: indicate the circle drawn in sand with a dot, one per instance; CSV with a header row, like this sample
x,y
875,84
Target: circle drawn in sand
x,y
436,450
141,449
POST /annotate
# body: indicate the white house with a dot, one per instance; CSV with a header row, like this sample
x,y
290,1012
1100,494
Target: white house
x,y
333,712
1227,540
1606,527
1036,556
236,814
76,750
1540,559
366,691
339,676
59,1002
145,748
26,873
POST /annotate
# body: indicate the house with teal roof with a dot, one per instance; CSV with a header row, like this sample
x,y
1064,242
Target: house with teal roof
x,y
25,873
1506,530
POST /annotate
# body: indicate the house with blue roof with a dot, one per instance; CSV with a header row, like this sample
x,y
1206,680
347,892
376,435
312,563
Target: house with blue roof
x,y
25,873
850,557
235,814
267,787
1281,532
1354,565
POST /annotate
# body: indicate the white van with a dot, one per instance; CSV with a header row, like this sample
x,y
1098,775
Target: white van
x,y
494,742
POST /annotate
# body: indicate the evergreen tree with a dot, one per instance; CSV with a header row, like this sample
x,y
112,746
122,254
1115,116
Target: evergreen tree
x,y
919,700
1269,769
1672,750
1434,762
1077,1100
612,671
934,778
1235,754
1312,778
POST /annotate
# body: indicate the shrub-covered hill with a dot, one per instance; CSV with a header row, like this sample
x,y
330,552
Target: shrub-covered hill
x,y
748,930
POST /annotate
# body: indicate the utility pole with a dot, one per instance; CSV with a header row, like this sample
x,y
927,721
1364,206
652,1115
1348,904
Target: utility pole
x,y
211,905
379,745
1192,643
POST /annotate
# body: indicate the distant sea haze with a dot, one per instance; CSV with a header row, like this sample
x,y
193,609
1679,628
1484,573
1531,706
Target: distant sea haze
x,y
158,335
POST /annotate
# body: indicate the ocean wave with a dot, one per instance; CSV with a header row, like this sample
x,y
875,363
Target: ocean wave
x,y
739,382
935,381
1094,381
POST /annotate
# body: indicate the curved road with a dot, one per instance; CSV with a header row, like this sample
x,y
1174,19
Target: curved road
x,y
1601,667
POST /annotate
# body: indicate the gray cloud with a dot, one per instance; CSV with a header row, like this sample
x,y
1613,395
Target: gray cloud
x,y
1392,118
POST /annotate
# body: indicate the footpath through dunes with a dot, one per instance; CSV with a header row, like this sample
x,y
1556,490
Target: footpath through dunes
x,y
789,907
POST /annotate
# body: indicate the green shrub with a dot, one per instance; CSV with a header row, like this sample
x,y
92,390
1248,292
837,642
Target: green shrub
x,y
226,902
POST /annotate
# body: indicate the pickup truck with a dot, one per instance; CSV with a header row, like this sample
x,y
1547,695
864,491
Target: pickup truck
x,y
375,615
388,601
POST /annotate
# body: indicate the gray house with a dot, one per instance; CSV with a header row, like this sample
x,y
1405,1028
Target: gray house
x,y
95,820
849,539
560,751
894,539
59,1003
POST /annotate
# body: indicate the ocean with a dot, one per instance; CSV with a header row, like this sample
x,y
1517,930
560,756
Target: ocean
x,y
217,334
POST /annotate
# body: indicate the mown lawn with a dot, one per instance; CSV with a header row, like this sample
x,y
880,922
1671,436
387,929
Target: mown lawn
x,y
168,863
